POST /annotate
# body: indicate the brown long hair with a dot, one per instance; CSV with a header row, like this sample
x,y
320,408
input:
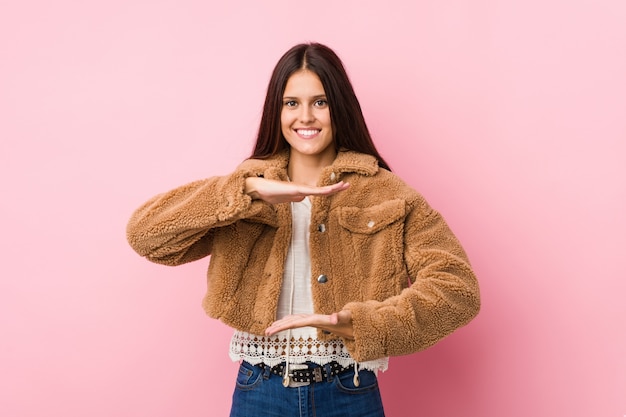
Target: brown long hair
x,y
349,127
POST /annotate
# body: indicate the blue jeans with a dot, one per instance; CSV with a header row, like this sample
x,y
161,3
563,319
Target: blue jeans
x,y
259,393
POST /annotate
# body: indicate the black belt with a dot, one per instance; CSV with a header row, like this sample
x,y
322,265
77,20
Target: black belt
x,y
313,372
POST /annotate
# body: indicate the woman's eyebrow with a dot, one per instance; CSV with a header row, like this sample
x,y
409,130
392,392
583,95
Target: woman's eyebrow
x,y
316,96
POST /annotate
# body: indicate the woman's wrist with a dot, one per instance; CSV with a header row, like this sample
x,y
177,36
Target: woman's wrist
x,y
250,188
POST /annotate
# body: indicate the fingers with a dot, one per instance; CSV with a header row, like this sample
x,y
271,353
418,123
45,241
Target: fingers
x,y
322,191
325,190
288,322
339,324
295,321
274,192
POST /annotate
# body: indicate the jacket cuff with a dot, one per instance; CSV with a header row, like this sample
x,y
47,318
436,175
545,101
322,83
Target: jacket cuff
x,y
370,335
235,201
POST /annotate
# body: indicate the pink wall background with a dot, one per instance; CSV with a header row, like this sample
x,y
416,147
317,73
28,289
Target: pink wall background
x,y
509,116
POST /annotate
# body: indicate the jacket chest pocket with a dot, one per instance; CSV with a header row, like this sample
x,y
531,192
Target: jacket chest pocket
x,y
372,238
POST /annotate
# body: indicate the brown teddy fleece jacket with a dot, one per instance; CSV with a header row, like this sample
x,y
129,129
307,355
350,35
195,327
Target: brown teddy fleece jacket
x,y
377,249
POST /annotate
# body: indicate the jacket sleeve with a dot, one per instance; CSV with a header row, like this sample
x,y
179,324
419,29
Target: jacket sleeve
x,y
177,227
443,296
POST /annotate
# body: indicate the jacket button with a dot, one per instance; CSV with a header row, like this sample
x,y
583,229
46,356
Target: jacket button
x,y
322,279
321,228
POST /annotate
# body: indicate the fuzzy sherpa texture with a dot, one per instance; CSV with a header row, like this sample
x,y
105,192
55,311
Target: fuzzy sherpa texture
x,y
388,257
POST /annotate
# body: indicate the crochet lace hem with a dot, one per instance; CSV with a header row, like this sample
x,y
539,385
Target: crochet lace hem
x,y
273,350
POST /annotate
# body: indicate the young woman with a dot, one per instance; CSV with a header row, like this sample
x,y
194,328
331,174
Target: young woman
x,y
323,261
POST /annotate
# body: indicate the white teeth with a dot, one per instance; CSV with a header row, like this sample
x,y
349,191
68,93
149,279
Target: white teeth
x,y
307,132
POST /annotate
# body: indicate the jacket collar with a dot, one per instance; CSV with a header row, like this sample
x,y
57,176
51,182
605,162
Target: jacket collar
x,y
346,161
351,161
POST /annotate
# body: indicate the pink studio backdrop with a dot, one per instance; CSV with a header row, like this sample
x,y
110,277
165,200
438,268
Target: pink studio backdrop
x,y
509,116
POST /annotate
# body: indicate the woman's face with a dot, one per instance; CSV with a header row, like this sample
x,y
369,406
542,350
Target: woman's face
x,y
305,118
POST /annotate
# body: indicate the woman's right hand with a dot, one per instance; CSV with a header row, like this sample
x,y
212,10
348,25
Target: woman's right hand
x,y
273,192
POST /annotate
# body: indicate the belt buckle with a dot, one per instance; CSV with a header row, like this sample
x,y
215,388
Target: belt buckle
x,y
297,367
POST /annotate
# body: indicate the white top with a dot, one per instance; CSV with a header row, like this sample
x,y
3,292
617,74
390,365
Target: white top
x,y
296,298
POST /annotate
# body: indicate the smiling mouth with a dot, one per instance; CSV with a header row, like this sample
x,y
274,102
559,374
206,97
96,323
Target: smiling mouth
x,y
307,133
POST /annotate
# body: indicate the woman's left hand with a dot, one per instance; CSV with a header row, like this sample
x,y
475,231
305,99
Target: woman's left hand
x,y
339,324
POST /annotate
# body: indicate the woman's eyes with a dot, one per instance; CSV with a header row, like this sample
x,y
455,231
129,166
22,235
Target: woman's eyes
x,y
316,103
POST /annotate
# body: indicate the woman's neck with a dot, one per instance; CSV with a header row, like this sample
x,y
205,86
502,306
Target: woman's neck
x,y
307,170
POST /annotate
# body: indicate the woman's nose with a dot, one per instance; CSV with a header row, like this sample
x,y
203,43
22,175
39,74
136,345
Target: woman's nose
x,y
306,114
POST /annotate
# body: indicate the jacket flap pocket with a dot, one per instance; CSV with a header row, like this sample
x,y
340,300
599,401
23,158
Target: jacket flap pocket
x,y
372,219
